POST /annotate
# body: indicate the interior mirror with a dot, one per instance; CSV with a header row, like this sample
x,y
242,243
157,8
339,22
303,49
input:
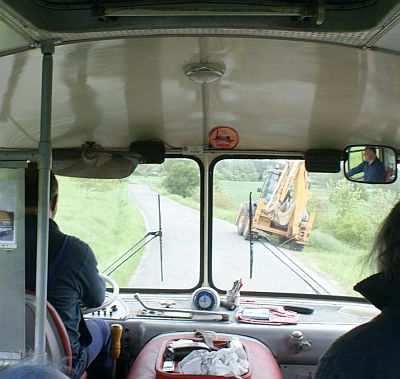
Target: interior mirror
x,y
91,163
370,164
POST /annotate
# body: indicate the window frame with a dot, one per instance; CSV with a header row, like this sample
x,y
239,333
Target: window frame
x,y
201,231
288,295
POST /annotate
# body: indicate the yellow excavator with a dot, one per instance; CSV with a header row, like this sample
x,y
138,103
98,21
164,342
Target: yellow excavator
x,y
281,208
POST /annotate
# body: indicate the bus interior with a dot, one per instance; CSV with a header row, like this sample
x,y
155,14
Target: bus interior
x,y
202,149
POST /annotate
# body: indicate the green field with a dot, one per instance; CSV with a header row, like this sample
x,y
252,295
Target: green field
x,y
112,223
239,191
228,195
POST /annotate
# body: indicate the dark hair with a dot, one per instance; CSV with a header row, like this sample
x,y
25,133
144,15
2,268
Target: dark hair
x,y
372,148
386,249
31,186
31,371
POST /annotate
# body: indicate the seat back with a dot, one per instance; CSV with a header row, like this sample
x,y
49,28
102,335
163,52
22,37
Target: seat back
x,y
58,347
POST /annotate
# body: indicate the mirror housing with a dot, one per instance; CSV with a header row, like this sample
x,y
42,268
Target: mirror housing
x,y
372,164
320,160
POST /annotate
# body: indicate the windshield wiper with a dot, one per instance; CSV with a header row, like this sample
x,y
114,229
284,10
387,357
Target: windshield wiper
x,y
251,235
136,247
160,235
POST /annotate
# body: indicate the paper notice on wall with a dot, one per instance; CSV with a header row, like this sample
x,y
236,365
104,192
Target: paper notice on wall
x,y
8,208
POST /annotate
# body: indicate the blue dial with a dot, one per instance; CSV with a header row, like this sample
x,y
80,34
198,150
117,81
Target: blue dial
x,y
205,299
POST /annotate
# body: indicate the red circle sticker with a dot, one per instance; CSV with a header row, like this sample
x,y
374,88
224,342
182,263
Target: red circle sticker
x,y
223,137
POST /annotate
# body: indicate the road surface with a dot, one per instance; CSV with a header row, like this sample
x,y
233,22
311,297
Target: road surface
x,y
181,253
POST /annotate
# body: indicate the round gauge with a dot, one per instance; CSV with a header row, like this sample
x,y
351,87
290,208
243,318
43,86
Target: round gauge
x,y
205,299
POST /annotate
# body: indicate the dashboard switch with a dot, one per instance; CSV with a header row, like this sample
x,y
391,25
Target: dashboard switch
x,y
297,343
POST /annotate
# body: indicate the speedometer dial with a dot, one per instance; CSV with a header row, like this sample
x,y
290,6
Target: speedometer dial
x,y
205,299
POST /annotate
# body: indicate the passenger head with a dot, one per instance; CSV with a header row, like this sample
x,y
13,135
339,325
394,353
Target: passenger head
x,y
31,371
31,190
370,153
386,248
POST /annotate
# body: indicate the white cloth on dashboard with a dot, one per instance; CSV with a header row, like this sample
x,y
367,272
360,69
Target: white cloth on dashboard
x,y
230,361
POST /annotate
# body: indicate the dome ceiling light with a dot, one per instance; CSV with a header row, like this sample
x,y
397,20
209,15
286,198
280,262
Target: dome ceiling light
x,y
204,73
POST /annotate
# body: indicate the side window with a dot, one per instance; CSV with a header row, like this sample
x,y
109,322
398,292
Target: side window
x,y
150,221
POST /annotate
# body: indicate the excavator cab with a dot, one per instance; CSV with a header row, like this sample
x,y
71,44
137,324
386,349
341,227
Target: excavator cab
x,y
270,184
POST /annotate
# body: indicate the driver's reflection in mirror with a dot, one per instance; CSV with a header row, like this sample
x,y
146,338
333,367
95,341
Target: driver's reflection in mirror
x,y
371,166
73,280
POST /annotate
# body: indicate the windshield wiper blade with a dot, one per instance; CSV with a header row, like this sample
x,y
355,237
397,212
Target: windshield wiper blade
x,y
160,235
251,235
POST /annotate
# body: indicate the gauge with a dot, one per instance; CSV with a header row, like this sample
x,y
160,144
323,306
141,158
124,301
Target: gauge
x,y
205,299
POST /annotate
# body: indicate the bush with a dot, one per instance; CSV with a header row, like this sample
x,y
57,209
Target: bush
x,y
358,211
181,178
356,230
345,195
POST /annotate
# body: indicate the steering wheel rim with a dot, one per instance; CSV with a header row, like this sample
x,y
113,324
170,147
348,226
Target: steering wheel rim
x,y
109,299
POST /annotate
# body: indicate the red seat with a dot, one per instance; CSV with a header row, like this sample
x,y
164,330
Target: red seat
x,y
262,362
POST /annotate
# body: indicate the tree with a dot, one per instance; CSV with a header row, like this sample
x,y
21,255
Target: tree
x,y
181,178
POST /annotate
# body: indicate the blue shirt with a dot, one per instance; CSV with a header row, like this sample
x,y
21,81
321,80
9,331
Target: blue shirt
x,y
78,283
374,172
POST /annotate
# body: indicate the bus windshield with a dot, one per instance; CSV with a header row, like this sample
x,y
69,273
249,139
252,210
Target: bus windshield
x,y
151,221
311,233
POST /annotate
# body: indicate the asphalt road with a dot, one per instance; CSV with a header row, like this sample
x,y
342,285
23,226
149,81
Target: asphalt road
x,y
181,240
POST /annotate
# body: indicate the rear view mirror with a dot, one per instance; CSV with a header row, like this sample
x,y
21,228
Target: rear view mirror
x,y
370,164
100,164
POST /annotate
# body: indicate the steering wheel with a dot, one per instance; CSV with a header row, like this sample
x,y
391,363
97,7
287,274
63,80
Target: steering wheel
x,y
110,297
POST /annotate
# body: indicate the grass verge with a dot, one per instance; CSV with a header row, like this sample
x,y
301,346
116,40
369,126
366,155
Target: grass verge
x,y
105,218
341,263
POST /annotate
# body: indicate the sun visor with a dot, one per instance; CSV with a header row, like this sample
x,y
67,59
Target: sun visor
x,y
320,160
103,164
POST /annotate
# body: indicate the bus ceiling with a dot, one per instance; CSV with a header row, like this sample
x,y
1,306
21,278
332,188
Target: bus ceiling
x,y
316,15
278,95
368,23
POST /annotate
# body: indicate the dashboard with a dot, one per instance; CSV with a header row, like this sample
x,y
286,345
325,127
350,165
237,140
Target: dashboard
x,y
314,332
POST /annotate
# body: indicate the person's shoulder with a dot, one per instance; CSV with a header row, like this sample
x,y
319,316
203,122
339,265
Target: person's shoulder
x,y
81,256
351,345
345,344
370,347
78,246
